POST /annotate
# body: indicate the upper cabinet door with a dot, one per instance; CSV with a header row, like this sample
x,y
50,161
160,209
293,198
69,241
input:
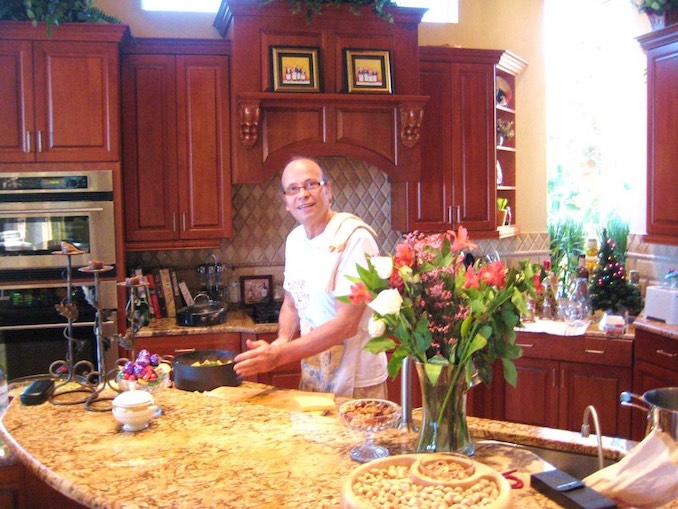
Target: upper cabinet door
x,y
473,155
203,146
150,161
16,102
76,101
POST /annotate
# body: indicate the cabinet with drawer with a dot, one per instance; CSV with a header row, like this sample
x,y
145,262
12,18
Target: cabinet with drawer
x,y
559,376
655,365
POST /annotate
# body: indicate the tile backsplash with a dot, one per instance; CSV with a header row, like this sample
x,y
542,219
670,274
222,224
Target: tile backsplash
x,y
261,224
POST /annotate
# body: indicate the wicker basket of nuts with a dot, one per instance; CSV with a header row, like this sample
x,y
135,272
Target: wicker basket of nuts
x,y
425,480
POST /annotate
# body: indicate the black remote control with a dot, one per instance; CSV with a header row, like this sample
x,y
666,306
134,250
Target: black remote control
x,y
37,392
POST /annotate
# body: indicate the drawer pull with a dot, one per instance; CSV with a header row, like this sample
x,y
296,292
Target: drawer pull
x,y
598,352
667,354
525,345
184,350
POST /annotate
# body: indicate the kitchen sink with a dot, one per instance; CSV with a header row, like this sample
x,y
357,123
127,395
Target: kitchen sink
x,y
576,464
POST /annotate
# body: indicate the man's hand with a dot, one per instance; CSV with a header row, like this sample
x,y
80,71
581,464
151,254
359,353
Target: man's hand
x,y
259,358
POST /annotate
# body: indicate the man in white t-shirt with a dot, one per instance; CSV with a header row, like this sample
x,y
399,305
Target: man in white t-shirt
x,y
319,254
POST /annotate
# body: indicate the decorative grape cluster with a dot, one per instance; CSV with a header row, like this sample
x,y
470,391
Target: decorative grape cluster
x,y
146,369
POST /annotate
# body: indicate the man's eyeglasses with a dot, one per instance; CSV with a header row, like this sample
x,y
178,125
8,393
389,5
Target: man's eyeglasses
x,y
309,185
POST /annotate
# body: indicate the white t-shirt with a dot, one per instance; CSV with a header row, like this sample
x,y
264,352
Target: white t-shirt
x,y
309,265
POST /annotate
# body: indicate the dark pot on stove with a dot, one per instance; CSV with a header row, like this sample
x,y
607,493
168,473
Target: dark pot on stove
x,y
202,314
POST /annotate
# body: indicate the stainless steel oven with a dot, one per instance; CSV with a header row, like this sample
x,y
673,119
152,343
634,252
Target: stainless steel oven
x,y
39,210
32,331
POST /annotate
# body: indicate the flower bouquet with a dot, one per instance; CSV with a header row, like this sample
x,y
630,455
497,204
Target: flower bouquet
x,y
454,318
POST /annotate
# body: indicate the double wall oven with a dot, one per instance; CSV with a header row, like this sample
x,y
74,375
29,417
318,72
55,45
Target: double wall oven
x,y
38,211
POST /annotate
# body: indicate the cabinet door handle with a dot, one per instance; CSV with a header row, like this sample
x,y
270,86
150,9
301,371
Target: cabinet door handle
x,y
449,214
458,207
38,140
667,354
525,345
598,352
174,222
553,377
28,147
184,350
183,221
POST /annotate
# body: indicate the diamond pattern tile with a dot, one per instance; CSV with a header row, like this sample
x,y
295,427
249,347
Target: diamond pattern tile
x,y
261,223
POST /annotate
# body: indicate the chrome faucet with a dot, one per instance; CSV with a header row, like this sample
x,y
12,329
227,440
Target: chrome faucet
x,y
585,431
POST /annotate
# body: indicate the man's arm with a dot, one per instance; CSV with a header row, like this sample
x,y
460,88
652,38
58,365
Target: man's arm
x,y
262,356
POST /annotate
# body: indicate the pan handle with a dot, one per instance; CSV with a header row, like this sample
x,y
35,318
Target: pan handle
x,y
626,399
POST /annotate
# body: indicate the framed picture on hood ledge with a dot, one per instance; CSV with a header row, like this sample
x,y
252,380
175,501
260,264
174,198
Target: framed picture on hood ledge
x,y
368,71
295,69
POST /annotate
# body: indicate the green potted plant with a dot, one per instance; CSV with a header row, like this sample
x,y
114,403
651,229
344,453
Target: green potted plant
x,y
661,13
505,130
53,12
312,8
502,203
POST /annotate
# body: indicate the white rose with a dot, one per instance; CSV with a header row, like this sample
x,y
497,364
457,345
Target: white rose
x,y
376,327
383,265
387,302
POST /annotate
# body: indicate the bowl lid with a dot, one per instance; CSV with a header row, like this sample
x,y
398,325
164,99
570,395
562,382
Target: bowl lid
x,y
132,399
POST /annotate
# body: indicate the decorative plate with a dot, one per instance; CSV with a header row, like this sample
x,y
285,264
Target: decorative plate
x,y
504,92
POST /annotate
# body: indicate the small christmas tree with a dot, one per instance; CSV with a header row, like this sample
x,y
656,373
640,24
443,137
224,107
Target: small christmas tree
x,y
609,289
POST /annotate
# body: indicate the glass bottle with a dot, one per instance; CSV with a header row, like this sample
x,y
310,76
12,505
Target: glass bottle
x,y
233,291
549,307
591,256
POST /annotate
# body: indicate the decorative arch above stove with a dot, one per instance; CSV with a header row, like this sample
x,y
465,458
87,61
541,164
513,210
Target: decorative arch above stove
x,y
268,128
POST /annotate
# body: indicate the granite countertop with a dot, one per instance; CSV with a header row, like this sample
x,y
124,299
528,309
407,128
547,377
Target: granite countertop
x,y
235,452
236,321
669,331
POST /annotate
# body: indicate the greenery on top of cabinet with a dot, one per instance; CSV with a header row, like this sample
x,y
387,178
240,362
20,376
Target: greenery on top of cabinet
x,y
54,12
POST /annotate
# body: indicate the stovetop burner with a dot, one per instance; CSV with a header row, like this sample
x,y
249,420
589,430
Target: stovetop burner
x,y
266,312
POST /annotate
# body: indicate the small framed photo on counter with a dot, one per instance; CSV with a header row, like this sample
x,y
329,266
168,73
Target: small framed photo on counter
x,y
368,71
255,289
295,69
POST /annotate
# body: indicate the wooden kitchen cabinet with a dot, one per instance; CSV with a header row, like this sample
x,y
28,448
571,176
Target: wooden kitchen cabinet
x,y
177,179
175,345
559,376
655,365
458,184
59,96
661,47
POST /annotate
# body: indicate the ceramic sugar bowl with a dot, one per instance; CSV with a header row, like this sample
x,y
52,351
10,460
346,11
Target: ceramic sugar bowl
x,y
134,409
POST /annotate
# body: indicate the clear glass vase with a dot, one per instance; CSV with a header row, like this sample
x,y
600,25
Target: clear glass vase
x,y
444,427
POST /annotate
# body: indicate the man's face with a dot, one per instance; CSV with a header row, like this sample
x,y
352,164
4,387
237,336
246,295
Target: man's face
x,y
310,207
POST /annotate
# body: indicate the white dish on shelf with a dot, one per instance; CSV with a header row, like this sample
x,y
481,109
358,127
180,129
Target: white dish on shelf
x,y
504,92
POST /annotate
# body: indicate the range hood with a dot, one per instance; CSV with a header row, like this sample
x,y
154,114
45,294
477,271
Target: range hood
x,y
269,127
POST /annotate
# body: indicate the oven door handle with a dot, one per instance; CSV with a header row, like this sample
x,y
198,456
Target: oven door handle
x,y
46,326
50,211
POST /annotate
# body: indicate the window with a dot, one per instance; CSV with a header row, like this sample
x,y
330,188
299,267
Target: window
x,y
440,11
595,112
181,5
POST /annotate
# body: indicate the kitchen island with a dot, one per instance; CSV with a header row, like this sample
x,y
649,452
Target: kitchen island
x,y
246,449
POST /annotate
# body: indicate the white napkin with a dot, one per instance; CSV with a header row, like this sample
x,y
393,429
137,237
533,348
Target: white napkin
x,y
647,477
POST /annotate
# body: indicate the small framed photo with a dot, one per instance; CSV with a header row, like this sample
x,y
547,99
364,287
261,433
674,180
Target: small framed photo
x,y
368,71
255,289
295,69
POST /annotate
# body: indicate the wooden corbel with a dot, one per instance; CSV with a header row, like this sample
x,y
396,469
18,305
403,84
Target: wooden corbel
x,y
249,113
411,117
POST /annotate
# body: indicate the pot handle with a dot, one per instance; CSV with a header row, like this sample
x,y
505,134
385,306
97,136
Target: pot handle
x,y
626,398
201,295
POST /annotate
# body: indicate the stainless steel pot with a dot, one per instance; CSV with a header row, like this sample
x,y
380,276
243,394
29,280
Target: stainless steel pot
x,y
661,406
204,370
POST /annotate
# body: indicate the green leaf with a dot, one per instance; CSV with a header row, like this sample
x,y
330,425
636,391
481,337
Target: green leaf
x,y
510,372
396,362
380,344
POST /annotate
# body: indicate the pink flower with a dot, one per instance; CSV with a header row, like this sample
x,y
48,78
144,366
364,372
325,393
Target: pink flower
x,y
404,255
494,274
472,279
462,240
360,294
